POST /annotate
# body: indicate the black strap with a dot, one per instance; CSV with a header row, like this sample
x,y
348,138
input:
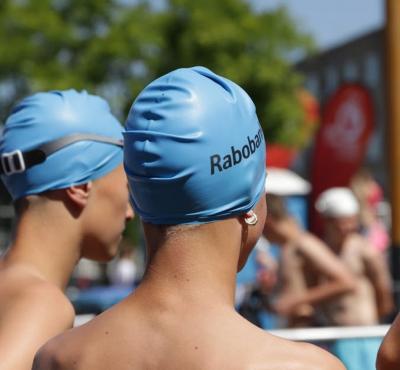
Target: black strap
x,y
17,161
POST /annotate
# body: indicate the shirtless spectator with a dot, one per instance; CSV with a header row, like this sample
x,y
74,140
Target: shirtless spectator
x,y
62,164
310,273
372,299
195,160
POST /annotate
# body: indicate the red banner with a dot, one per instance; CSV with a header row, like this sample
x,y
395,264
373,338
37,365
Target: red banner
x,y
341,142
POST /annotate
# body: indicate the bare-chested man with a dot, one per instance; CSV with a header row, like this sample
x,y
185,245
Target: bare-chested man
x,y
372,298
195,157
309,272
61,161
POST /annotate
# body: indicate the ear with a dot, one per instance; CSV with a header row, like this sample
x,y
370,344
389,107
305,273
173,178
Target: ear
x,y
79,194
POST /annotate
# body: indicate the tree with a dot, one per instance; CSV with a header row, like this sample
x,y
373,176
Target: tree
x,y
250,48
114,47
59,44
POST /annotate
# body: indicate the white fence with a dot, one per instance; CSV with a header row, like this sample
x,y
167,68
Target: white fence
x,y
332,333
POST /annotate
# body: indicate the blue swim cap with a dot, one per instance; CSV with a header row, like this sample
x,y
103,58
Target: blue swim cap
x,y
48,116
194,151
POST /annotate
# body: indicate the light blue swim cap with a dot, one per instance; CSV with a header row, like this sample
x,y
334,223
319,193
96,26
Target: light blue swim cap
x,y
48,116
194,150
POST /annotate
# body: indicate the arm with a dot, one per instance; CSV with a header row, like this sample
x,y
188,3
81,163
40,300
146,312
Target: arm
x,y
319,258
378,273
389,352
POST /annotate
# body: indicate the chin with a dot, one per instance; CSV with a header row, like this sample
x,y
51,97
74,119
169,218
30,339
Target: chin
x,y
111,252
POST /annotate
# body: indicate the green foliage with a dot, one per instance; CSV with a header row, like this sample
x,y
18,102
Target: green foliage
x,y
114,48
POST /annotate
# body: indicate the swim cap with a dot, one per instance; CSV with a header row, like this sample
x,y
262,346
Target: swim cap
x,y
337,202
46,117
193,149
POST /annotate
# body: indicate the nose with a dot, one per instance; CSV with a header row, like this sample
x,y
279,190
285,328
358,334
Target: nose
x,y
129,212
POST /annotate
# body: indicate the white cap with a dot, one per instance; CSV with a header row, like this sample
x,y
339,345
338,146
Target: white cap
x,y
284,182
337,202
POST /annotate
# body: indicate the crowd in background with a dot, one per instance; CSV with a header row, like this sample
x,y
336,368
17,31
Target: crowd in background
x,y
338,278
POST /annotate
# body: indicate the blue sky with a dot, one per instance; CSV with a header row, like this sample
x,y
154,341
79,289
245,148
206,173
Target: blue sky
x,y
332,22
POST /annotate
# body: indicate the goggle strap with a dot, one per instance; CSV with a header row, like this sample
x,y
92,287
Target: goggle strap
x,y
17,161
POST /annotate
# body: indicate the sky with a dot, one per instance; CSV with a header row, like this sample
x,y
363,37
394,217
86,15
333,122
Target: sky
x,y
332,22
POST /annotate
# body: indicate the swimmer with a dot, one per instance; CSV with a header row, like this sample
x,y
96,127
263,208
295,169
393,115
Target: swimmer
x,y
389,351
194,154
61,161
371,300
310,273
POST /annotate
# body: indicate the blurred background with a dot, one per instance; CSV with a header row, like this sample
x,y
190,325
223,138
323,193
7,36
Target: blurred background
x,y
322,75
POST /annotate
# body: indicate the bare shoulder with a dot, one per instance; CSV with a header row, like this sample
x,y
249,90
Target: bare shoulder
x,y
361,246
309,245
31,312
317,358
58,305
358,241
298,355
39,302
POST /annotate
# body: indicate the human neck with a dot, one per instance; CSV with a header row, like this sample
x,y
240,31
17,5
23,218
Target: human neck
x,y
194,267
47,247
335,241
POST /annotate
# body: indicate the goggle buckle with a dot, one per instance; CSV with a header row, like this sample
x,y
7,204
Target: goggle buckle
x,y
13,162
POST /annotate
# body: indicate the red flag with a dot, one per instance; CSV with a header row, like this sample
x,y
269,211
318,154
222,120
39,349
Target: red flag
x,y
341,142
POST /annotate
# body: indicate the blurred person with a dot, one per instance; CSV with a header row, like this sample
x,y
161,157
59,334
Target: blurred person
x,y
195,160
310,273
372,300
86,274
256,303
123,270
389,352
369,195
61,161
339,210
255,296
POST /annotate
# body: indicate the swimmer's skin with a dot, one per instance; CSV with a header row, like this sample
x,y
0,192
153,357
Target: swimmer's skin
x,y
182,315
310,272
372,298
32,310
328,277
50,238
389,352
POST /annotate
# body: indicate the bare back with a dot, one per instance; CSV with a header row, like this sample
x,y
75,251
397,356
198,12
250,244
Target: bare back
x,y
31,312
136,337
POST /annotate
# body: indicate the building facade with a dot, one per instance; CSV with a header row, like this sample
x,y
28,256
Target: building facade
x,y
360,61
